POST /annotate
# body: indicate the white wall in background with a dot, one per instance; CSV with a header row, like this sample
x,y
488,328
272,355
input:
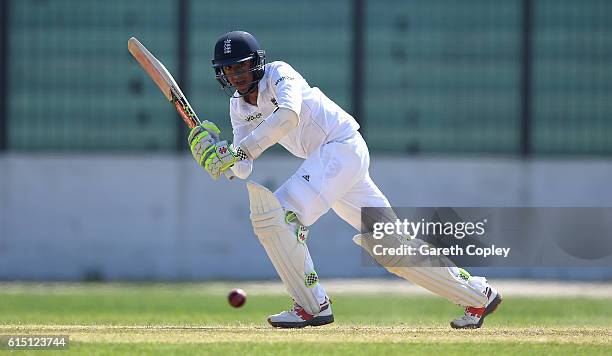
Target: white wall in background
x,y
65,217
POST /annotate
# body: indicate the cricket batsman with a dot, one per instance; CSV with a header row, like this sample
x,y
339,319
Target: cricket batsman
x,y
272,103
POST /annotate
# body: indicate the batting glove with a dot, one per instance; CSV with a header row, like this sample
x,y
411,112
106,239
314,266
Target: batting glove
x,y
202,139
221,159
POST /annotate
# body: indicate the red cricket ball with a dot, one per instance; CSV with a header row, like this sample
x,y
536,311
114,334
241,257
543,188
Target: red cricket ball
x,y
237,297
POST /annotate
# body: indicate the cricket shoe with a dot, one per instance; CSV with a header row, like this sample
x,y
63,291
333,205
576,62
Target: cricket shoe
x,y
474,317
297,317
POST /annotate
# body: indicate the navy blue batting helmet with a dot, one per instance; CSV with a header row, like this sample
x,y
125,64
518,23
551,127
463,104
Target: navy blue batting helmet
x,y
235,47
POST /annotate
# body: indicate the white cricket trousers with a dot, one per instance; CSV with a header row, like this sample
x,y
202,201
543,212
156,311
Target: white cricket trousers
x,y
336,176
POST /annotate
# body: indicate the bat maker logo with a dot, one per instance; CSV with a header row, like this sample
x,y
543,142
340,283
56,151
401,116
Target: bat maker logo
x,y
253,117
227,46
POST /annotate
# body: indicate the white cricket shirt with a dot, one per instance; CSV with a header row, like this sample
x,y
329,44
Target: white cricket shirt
x,y
321,120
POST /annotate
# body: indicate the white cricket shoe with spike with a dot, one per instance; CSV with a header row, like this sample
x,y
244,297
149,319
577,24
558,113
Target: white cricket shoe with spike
x,y
474,317
297,317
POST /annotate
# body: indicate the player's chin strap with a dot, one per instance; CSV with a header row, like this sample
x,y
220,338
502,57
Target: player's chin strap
x,y
251,89
269,132
233,93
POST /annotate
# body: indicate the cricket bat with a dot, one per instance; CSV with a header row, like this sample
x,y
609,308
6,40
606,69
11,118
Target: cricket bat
x,y
166,83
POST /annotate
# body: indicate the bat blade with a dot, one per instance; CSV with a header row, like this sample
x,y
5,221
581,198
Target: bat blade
x,y
164,80
154,68
166,83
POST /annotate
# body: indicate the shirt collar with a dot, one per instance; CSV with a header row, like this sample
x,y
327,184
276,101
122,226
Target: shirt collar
x,y
263,83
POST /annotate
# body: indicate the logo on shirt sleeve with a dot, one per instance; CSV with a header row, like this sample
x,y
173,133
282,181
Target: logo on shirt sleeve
x,y
281,79
273,100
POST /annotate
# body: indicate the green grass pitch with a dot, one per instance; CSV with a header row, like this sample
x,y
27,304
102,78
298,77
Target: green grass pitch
x,y
110,319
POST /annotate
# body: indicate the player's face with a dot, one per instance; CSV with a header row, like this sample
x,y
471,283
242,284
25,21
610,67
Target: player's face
x,y
240,75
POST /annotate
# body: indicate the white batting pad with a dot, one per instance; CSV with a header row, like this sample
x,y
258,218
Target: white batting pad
x,y
279,239
438,275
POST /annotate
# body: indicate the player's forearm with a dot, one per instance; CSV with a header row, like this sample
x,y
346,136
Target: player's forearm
x,y
269,132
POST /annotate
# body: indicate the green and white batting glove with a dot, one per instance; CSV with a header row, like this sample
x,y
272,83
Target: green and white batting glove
x,y
222,159
202,139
